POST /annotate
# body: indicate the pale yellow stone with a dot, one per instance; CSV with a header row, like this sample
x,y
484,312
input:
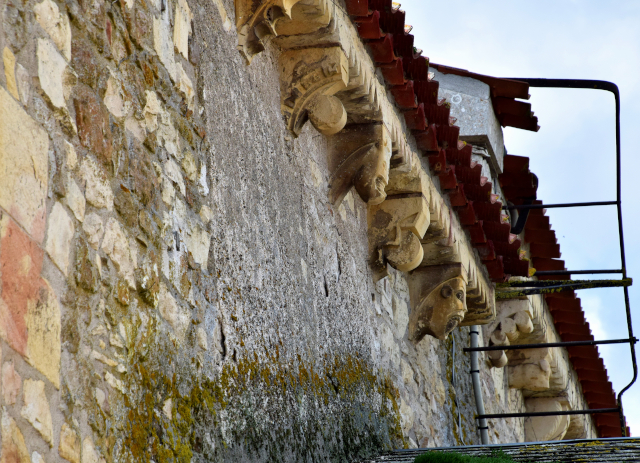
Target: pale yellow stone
x,y
116,245
56,24
163,44
9,61
114,382
151,111
14,449
175,315
206,214
168,192
189,166
135,127
71,155
407,416
182,28
185,85
201,335
103,358
43,344
75,198
69,447
89,454
24,163
60,232
226,22
24,83
97,189
37,458
51,72
94,228
36,410
113,98
174,173
198,240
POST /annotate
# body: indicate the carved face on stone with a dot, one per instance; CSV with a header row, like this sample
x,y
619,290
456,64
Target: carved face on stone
x,y
373,176
440,312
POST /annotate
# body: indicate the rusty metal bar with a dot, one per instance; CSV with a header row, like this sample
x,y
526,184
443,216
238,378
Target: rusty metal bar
x,y
564,412
550,344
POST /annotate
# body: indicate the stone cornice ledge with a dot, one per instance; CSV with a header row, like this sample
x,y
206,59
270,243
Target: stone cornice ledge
x,y
327,77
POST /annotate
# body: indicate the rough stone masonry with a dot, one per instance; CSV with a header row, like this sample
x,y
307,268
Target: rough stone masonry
x,y
175,284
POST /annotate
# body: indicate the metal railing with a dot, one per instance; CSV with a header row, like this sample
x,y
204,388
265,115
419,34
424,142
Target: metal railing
x,y
624,282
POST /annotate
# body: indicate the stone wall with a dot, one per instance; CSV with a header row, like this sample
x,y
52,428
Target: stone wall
x,y
175,283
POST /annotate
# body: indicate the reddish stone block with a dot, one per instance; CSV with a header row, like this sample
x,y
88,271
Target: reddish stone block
x,y
92,120
20,266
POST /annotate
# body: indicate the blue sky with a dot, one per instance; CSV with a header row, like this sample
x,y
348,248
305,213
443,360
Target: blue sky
x,y
573,154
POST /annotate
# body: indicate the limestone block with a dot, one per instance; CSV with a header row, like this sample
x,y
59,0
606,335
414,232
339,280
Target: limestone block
x,y
11,383
226,22
545,428
94,228
56,24
97,189
359,157
75,198
185,85
163,44
176,316
174,173
69,447
71,156
308,80
407,416
9,61
89,454
395,228
438,295
201,336
14,449
23,81
60,232
37,458
113,99
51,72
116,245
36,410
24,163
198,240
256,21
44,325
529,369
182,28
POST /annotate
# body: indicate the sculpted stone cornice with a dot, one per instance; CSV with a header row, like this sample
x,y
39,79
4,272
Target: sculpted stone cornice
x,y
545,376
329,78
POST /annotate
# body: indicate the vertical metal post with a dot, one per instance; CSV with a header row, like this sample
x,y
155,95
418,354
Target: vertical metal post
x,y
477,389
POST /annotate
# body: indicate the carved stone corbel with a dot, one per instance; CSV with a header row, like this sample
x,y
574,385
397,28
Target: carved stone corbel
x,y
359,157
438,296
530,369
546,428
256,20
308,80
395,228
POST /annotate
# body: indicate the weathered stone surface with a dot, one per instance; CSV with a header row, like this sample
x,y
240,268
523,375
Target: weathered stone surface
x,y
59,235
36,410
11,383
97,189
185,85
116,245
56,24
163,43
182,27
9,61
14,449
23,166
37,458
44,325
69,447
93,124
89,454
93,226
20,266
176,316
51,72
75,198
23,80
113,98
